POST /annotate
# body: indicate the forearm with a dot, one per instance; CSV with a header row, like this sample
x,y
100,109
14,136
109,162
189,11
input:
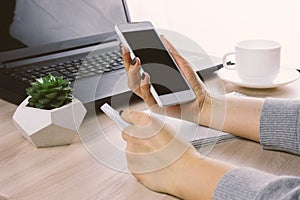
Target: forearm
x,y
212,179
200,178
241,118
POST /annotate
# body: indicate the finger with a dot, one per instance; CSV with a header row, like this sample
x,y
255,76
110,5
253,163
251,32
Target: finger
x,y
125,136
145,91
134,76
142,130
168,44
136,118
181,61
132,134
183,64
185,67
151,102
126,57
135,64
148,97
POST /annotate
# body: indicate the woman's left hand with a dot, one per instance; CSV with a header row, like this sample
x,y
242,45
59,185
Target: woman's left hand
x,y
197,111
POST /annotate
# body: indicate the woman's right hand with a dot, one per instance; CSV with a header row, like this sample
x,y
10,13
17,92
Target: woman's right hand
x,y
163,162
197,111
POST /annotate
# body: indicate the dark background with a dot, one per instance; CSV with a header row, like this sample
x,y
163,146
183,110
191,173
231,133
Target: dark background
x,y
7,8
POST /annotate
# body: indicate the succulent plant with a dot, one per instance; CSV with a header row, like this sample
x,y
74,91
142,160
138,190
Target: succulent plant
x,y
49,92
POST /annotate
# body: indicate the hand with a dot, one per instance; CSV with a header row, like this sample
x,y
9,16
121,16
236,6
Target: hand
x,y
155,157
197,111
164,163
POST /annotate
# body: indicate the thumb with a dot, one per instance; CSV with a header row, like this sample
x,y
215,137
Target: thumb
x,y
136,118
184,66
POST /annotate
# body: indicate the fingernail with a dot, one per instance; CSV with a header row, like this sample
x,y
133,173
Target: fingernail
x,y
120,112
143,76
133,61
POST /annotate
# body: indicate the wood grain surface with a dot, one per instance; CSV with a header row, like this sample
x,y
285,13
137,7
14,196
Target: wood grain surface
x,y
71,172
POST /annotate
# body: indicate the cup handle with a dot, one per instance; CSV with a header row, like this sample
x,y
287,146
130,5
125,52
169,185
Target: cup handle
x,y
225,60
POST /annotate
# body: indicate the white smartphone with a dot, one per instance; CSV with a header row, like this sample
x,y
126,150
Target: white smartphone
x,y
114,115
168,85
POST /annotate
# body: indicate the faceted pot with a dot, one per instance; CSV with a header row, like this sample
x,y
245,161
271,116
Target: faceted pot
x,y
45,128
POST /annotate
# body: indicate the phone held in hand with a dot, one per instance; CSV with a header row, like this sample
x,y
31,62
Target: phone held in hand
x,y
114,115
168,85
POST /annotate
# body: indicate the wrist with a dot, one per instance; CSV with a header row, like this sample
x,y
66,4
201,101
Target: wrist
x,y
199,178
184,174
205,111
213,112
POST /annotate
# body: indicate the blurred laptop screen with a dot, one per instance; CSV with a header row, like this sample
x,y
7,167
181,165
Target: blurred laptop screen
x,y
27,23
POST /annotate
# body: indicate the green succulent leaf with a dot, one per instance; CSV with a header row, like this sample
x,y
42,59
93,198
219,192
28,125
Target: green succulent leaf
x,y
39,105
61,97
55,89
57,104
49,92
51,95
67,90
35,95
44,101
32,100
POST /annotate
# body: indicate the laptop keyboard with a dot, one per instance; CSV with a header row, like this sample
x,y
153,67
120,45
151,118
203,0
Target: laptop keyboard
x,y
71,70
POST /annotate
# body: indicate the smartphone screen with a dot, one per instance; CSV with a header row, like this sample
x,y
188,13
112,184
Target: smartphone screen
x,y
156,61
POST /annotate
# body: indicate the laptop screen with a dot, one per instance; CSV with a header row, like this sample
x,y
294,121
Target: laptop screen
x,y
30,23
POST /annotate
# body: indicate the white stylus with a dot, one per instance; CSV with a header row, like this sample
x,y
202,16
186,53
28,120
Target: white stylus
x,y
114,115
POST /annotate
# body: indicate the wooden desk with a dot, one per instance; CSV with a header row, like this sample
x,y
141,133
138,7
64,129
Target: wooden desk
x,y
70,172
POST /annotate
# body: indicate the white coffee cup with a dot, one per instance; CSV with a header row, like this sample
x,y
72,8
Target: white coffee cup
x,y
257,61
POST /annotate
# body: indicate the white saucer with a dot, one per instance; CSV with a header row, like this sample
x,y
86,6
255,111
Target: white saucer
x,y
285,76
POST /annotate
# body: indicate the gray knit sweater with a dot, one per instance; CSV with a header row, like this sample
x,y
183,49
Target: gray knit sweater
x,y
279,130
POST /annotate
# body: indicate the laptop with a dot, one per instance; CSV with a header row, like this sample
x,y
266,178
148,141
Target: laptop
x,y
70,38
73,39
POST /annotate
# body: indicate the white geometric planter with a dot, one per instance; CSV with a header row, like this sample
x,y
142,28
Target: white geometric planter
x,y
45,128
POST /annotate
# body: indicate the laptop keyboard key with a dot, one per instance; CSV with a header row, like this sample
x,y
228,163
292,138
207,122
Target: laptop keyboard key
x,y
117,67
79,68
56,73
46,70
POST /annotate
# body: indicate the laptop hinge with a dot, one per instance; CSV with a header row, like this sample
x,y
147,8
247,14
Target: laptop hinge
x,y
61,55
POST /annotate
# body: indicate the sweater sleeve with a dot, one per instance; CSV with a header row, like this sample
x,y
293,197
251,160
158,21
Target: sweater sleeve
x,y
280,125
245,183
